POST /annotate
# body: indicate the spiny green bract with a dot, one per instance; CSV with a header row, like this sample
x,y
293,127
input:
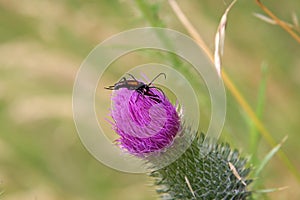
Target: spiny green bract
x,y
199,175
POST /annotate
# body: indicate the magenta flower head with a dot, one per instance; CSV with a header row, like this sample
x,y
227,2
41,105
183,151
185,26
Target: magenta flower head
x,y
146,123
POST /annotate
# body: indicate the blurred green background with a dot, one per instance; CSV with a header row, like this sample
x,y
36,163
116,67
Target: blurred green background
x,y
42,44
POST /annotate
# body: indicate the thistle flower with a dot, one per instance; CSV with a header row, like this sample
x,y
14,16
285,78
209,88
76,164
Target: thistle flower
x,y
148,123
145,123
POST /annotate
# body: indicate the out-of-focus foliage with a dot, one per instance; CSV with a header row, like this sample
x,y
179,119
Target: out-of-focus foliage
x,y
42,44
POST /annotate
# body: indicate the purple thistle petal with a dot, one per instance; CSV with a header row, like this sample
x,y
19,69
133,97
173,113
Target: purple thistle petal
x,y
145,123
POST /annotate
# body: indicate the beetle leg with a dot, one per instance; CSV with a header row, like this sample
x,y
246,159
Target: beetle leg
x,y
159,90
155,98
138,96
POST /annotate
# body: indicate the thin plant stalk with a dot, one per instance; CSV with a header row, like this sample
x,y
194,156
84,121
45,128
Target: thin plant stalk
x,y
281,23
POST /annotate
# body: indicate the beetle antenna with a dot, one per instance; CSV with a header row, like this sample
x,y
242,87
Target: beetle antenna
x,y
157,77
131,76
110,87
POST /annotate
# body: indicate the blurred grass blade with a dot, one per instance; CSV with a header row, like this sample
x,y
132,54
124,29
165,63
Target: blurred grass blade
x,y
190,28
269,20
271,190
264,18
150,12
220,38
295,20
260,126
254,133
268,157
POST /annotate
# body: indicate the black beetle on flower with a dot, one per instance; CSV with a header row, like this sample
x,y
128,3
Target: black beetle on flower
x,y
138,86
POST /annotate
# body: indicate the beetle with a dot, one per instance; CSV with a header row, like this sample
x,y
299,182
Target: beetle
x,y
138,86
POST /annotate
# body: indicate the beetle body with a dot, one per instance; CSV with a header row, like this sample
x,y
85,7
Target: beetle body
x,y
129,84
